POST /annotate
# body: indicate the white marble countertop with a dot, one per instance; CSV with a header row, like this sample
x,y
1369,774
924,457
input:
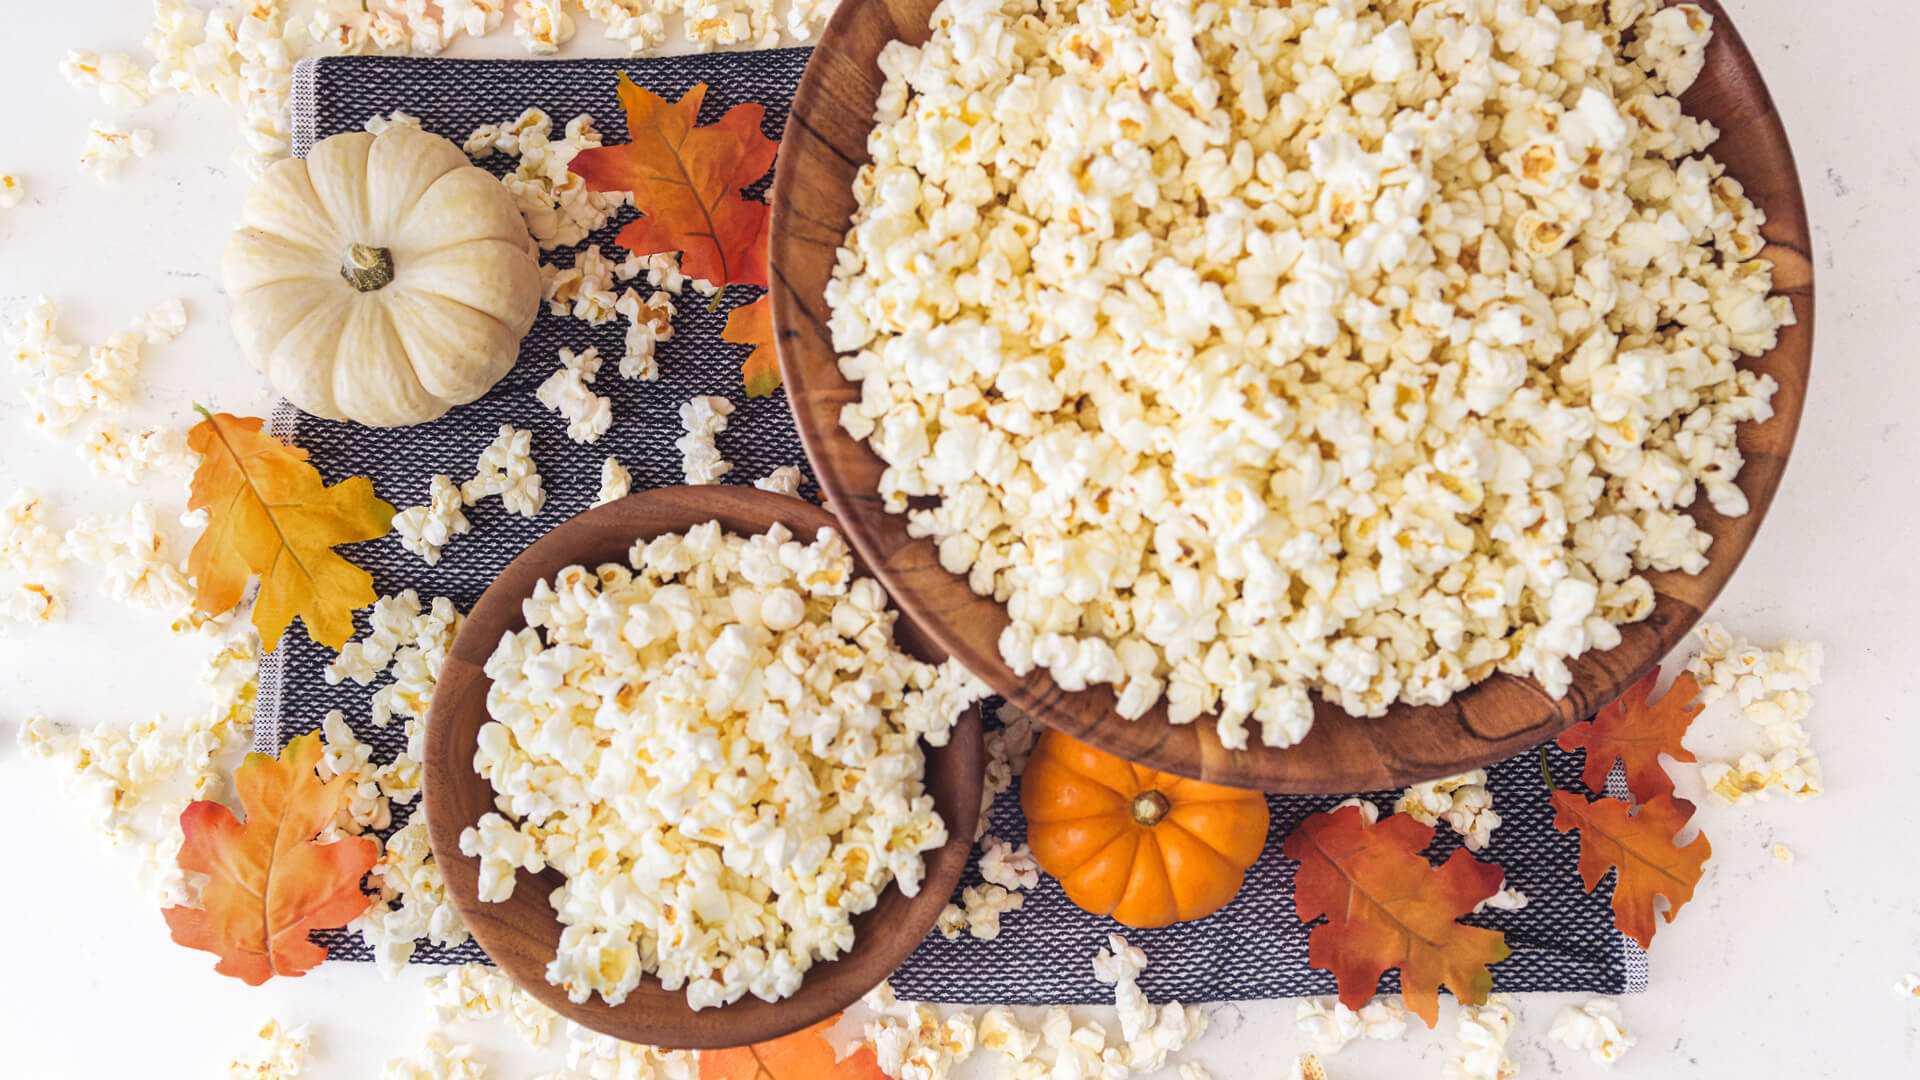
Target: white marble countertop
x,y
1776,969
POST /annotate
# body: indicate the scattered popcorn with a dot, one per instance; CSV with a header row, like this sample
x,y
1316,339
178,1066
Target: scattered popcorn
x,y
603,1057
1193,1070
911,1042
112,450
122,83
1783,853
1484,1030
1412,339
110,147
133,553
66,382
1330,1027
584,289
380,125
649,323
1008,748
784,480
558,208
1774,692
588,415
277,1054
424,530
410,901
13,191
703,418
983,907
1368,811
615,482
723,865
542,25
1909,985
365,808
1595,1028
163,322
1507,899
506,469
952,922
1463,802
437,1060
473,991
1307,1067
1009,867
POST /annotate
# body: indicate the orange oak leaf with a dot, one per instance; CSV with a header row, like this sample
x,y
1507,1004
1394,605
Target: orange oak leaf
x,y
268,883
1388,907
1636,733
803,1055
1638,842
270,514
686,182
752,324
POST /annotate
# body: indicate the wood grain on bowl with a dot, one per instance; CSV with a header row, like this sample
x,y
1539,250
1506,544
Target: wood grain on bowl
x,y
812,208
522,934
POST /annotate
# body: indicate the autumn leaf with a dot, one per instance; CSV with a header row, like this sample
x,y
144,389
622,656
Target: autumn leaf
x,y
270,514
752,324
686,183
1387,907
1636,733
803,1055
268,883
1638,842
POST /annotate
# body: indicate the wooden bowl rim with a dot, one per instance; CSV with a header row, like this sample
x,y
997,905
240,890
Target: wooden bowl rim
x,y
884,936
1493,719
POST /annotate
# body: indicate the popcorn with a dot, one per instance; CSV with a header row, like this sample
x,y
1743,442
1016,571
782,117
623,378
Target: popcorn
x,y
911,1040
13,191
615,482
1193,1070
984,905
110,147
1050,318
1008,748
588,415
438,1059
410,901
1484,1029
277,1054
558,208
380,125
1595,1028
1506,899
472,991
1331,1027
784,480
133,553
1462,801
649,323
1782,853
730,870
1774,692
424,530
542,25
1909,985
603,1057
506,469
703,418
1009,867
163,322
1307,1067
122,83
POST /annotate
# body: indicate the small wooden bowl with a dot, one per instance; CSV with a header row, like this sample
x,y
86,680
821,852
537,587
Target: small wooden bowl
x,y
522,934
813,205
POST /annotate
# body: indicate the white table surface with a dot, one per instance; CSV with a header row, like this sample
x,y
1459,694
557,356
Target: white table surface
x,y
1776,970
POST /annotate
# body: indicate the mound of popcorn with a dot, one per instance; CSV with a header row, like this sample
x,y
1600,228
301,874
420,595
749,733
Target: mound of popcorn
x,y
1774,689
1365,347
719,747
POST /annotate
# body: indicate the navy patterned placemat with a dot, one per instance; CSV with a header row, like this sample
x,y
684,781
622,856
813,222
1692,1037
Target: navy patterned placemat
x,y
1254,948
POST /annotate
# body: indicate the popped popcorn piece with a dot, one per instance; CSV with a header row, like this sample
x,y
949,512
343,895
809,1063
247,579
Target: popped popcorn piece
x,y
984,906
584,290
1150,1032
113,450
1483,1030
276,1054
1011,868
1051,318
588,415
1008,748
615,482
134,555
703,419
366,808
1594,1028
1908,985
13,191
952,922
425,530
911,1040
110,147
1782,853
1330,1027
1506,899
784,480
1307,1067
558,208
649,323
1193,1070
163,322
437,1059
1463,802
410,901
604,1057
543,26
473,991
1773,689
378,124
122,83
506,469
723,845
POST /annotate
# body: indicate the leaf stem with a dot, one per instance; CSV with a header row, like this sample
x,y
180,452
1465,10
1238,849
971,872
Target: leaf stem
x,y
1545,773
714,304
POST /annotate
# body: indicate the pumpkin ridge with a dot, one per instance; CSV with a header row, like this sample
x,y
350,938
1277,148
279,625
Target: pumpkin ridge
x,y
1202,841
1061,761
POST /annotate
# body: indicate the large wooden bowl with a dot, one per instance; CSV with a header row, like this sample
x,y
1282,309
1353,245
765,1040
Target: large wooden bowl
x,y
522,934
813,204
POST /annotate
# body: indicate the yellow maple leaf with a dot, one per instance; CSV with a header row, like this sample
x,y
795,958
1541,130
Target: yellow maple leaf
x,y
752,324
270,514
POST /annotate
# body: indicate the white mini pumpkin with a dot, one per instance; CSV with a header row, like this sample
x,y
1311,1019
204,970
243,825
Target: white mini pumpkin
x,y
384,279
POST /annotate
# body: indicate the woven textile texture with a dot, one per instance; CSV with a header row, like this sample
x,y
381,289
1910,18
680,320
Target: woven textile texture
x,y
1254,948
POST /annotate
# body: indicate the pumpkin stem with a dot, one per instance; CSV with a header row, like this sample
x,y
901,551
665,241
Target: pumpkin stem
x,y
1149,807
367,268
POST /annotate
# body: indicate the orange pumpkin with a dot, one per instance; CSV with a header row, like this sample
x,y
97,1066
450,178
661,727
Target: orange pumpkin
x,y
1147,848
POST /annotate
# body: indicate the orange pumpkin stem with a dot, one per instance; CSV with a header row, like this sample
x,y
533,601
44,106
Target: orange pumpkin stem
x,y
1149,807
